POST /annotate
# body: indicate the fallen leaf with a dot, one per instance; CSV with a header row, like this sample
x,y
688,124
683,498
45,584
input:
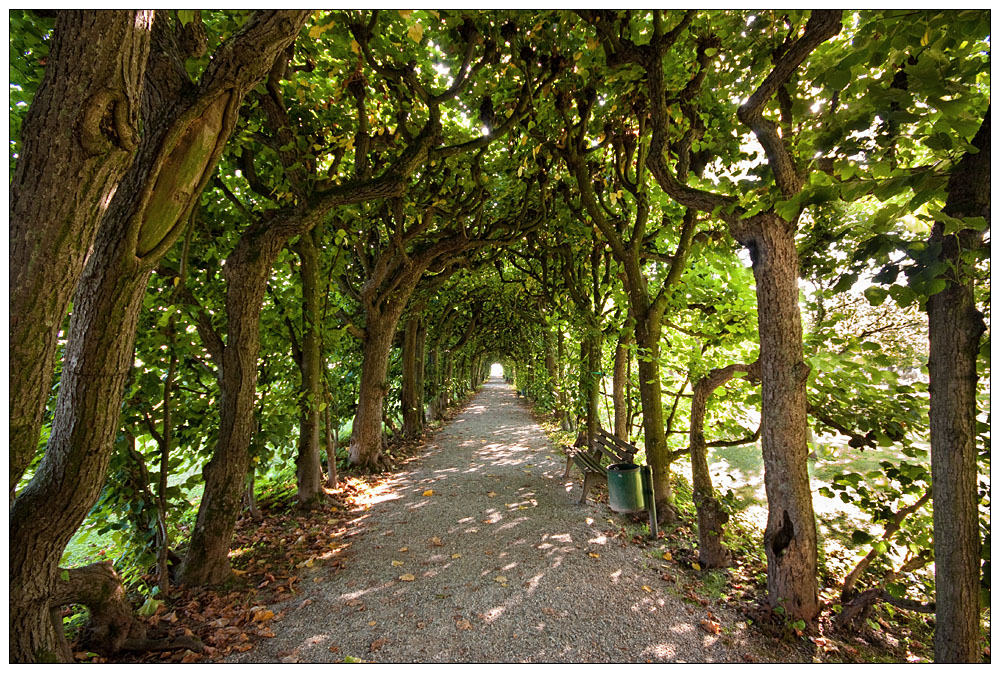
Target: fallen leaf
x,y
429,492
595,555
549,611
710,626
436,541
372,623
464,625
456,556
501,579
404,549
491,494
667,556
263,615
696,566
377,644
334,648
396,564
645,588
407,577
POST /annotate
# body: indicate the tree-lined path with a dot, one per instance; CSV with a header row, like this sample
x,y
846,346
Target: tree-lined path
x,y
255,254
505,566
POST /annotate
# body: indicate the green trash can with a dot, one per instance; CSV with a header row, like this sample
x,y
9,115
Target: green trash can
x,y
625,488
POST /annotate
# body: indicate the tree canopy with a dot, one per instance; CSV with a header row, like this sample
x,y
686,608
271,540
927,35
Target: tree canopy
x,y
257,243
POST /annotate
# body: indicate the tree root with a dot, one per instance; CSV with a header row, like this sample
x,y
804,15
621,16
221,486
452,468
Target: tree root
x,y
112,626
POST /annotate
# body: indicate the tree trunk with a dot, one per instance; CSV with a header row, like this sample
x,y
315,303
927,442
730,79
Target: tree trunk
x,y
111,622
308,468
590,376
711,517
567,423
77,142
185,129
790,535
411,395
332,437
619,381
246,273
367,437
421,371
449,378
955,328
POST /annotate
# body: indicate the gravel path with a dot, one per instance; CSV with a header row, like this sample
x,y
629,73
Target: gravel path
x,y
479,552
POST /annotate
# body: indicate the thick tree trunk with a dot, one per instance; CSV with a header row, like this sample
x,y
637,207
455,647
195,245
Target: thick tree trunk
x,y
111,622
411,393
790,535
246,273
70,476
618,386
77,141
955,328
308,467
185,129
367,437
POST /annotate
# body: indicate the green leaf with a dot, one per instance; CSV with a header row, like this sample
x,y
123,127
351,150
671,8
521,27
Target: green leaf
x,y
876,295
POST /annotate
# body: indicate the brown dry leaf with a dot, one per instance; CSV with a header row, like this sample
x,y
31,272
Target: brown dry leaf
x,y
491,494
594,555
501,579
464,625
404,549
436,541
334,648
710,626
372,623
456,556
549,611
408,577
396,564
377,644
667,556
263,615
645,588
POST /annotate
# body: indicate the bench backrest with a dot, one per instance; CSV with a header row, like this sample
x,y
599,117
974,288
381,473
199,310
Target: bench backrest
x,y
612,447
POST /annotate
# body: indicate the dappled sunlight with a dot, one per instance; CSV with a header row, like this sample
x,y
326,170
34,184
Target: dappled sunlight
x,y
495,560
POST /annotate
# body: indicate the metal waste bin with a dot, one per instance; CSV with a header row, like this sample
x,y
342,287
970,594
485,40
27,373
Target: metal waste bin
x,y
625,488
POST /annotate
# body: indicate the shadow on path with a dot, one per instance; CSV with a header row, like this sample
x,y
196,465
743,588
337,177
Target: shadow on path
x,y
478,552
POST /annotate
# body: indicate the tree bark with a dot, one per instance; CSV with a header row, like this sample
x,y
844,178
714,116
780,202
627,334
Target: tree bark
x,y
411,394
332,437
790,535
246,273
308,467
711,517
366,438
955,328
86,116
618,385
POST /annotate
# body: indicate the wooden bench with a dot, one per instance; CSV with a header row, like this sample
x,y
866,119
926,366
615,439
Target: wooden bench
x,y
605,445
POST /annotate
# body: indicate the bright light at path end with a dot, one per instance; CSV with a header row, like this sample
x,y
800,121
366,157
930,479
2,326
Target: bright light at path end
x,y
496,369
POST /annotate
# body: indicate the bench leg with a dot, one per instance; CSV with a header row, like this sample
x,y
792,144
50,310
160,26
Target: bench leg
x,y
569,464
588,481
